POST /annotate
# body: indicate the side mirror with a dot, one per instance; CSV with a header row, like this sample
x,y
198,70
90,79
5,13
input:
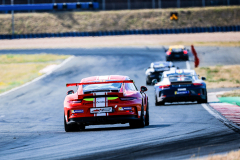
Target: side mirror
x,y
154,81
203,78
70,92
173,65
143,89
178,68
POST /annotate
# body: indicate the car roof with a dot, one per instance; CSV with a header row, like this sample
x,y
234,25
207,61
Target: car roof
x,y
107,77
160,64
179,71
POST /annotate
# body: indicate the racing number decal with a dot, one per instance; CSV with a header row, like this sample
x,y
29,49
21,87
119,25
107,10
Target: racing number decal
x,y
100,102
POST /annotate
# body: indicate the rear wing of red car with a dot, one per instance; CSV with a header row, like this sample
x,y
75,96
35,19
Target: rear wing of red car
x,y
108,81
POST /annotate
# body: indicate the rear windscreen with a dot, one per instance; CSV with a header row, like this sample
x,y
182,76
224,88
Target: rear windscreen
x,y
180,77
177,50
104,86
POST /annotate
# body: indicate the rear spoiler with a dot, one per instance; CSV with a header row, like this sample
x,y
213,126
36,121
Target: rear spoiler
x,y
87,83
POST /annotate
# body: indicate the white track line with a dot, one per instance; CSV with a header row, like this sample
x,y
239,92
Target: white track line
x,y
36,79
188,65
212,112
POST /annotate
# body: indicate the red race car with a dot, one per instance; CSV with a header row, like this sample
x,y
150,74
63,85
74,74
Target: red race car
x,y
105,100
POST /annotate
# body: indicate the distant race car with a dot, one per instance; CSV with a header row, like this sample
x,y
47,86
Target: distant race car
x,y
105,100
180,85
156,69
178,52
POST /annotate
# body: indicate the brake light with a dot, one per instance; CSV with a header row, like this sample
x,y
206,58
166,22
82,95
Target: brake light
x,y
128,98
164,86
75,101
168,53
184,51
197,84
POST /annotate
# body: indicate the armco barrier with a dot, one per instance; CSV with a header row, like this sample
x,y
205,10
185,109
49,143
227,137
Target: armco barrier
x,y
126,32
51,6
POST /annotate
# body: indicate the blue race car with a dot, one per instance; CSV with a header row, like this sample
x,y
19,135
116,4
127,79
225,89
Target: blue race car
x,y
180,86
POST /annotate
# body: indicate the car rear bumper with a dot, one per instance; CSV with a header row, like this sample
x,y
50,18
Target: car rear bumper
x,y
182,98
183,56
103,120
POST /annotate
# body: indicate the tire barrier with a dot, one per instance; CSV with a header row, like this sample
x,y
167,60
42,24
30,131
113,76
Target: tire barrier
x,y
196,59
50,6
126,32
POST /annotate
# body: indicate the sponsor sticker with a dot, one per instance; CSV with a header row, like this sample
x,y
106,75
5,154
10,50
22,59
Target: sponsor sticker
x,y
101,110
78,111
181,92
182,89
124,108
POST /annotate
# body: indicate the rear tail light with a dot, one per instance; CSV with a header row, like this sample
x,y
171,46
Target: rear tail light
x,y
185,52
164,86
75,101
128,98
168,53
197,84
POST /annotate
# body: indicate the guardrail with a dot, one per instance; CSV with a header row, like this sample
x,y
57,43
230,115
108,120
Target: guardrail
x,y
52,6
126,32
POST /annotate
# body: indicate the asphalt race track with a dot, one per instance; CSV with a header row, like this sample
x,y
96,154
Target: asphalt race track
x,y
31,118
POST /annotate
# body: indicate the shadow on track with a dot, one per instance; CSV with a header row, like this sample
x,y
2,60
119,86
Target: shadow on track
x,y
122,128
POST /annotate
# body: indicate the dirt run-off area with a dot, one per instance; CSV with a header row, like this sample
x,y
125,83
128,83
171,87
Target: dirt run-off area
x,y
203,39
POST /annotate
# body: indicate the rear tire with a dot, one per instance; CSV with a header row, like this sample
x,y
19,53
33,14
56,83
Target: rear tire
x,y
140,123
82,127
147,83
70,127
158,103
147,116
203,100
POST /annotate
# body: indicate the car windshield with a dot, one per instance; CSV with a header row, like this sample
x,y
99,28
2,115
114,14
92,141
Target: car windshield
x,y
104,86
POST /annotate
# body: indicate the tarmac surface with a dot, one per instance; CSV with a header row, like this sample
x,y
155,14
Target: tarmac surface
x,y
31,118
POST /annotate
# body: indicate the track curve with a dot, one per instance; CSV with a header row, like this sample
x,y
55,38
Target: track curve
x,y
31,118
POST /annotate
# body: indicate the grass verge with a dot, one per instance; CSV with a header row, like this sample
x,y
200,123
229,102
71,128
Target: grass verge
x,y
17,69
119,20
235,93
220,76
232,97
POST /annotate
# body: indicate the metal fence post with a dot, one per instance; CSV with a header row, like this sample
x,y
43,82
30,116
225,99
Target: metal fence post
x,y
159,4
153,3
203,3
178,3
129,4
103,4
3,2
228,2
